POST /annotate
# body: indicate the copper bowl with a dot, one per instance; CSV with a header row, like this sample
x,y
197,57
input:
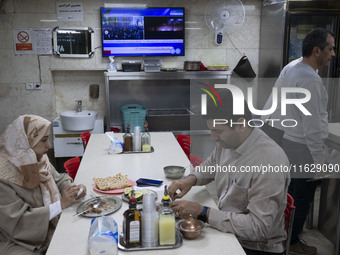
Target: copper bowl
x,y
191,228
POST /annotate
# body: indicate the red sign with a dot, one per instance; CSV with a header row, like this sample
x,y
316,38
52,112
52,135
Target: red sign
x,y
23,36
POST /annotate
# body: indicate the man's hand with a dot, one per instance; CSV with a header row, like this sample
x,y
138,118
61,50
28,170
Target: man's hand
x,y
184,185
184,208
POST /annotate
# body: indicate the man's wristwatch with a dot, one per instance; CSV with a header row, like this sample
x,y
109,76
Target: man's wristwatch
x,y
203,215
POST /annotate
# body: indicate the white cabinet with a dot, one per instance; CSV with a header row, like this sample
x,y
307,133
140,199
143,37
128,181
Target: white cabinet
x,y
68,143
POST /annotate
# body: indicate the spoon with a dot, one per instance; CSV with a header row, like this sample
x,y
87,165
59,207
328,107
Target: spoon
x,y
95,195
96,205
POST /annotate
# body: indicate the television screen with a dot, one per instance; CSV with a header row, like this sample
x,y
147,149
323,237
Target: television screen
x,y
143,32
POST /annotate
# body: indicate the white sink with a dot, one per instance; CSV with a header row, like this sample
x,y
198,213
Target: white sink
x,y
78,121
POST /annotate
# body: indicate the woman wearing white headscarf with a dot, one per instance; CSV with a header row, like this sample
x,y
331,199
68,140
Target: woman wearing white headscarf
x,y
32,192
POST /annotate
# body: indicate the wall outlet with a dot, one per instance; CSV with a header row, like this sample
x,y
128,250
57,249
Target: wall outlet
x,y
29,85
33,85
36,85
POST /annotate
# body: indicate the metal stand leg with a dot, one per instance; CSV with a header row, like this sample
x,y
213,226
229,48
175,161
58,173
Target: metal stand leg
x,y
337,240
310,216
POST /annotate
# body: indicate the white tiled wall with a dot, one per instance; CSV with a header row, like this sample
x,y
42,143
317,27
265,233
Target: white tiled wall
x,y
65,80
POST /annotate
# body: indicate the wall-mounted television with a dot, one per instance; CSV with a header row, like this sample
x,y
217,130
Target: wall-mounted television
x,y
143,31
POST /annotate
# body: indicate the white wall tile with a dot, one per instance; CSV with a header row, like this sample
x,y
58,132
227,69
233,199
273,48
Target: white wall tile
x,y
71,86
16,100
34,6
65,79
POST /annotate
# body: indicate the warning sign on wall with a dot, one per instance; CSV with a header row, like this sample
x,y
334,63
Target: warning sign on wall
x,y
23,41
33,41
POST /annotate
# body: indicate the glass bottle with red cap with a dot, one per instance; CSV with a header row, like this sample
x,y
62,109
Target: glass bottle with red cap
x,y
127,139
146,139
132,224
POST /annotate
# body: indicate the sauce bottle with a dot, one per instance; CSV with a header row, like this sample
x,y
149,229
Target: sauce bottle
x,y
167,225
132,224
146,139
127,139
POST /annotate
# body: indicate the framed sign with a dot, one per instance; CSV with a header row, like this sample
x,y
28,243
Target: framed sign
x,y
73,42
70,11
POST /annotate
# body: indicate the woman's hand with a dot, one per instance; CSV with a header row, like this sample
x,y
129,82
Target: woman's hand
x,y
83,193
68,195
184,185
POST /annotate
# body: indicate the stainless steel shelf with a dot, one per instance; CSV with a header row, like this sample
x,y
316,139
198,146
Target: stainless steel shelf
x,y
181,74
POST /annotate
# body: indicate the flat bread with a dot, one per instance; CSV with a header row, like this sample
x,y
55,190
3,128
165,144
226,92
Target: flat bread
x,y
112,182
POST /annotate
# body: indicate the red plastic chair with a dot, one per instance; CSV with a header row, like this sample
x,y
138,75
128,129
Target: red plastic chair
x,y
85,137
195,160
289,218
185,142
71,166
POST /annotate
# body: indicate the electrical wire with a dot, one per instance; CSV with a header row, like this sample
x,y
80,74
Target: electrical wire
x,y
242,54
39,69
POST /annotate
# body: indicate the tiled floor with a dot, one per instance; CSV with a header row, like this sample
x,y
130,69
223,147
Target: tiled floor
x,y
315,238
311,236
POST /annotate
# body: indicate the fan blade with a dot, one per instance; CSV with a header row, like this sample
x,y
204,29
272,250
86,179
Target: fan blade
x,y
227,15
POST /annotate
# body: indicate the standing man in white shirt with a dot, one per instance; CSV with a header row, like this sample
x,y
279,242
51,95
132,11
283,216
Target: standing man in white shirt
x,y
304,143
276,133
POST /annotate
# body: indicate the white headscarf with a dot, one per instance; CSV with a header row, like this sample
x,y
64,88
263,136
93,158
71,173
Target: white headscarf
x,y
16,145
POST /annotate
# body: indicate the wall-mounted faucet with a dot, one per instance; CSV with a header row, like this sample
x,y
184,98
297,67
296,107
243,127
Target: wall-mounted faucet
x,y
79,108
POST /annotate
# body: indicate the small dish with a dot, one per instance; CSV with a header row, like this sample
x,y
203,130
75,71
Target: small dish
x,y
126,198
174,172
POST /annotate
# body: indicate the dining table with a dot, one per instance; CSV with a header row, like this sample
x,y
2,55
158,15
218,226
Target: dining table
x,y
71,234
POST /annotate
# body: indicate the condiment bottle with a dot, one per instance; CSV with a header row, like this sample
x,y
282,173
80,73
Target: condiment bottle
x,y
146,139
132,224
167,225
127,139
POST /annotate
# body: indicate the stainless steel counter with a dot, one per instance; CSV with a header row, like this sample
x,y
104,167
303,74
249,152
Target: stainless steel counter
x,y
159,90
329,214
333,140
178,75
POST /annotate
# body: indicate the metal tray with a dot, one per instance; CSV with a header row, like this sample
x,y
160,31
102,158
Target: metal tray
x,y
131,152
116,200
159,247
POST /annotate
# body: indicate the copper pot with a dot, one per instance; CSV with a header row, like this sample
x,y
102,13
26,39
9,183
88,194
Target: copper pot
x,y
191,228
192,65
